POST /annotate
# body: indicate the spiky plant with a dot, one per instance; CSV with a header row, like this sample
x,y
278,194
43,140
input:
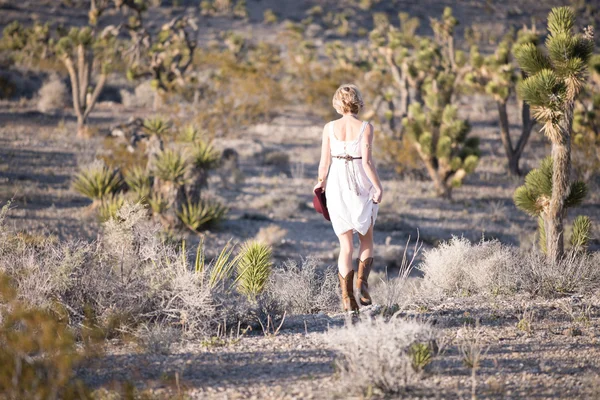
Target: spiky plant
x,y
170,166
157,204
204,155
156,126
190,133
109,206
534,198
139,182
554,81
254,268
96,181
201,215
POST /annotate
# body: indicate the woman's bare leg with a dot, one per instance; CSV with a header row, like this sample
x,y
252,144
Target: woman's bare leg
x,y
346,250
366,244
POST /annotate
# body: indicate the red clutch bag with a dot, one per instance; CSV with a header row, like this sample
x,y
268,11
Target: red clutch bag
x,y
320,203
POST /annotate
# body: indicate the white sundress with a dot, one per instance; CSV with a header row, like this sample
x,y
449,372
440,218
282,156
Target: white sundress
x,y
349,191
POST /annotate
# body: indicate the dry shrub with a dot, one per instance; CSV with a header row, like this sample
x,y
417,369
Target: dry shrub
x,y
129,276
460,267
303,289
271,235
143,96
577,272
53,95
375,355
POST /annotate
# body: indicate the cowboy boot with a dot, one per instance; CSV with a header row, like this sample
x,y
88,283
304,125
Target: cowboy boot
x,y
348,291
362,282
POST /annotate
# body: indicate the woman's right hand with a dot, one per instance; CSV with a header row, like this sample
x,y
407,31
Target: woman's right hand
x,y
320,185
377,196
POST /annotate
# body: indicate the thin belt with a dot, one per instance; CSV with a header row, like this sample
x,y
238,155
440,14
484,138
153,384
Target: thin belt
x,y
350,172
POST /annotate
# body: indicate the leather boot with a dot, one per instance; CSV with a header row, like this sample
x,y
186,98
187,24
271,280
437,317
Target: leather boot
x,y
362,281
347,283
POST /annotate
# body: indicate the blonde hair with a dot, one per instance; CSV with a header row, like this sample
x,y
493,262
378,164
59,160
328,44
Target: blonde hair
x,y
347,99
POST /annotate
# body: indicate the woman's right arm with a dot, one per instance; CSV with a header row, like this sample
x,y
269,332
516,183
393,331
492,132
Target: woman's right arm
x,y
369,164
325,161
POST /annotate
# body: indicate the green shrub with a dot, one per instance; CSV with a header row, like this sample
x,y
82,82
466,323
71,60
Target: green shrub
x,y
269,17
254,268
170,166
109,206
97,181
37,354
201,215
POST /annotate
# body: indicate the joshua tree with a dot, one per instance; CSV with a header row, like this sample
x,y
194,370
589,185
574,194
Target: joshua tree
x,y
165,58
554,81
87,53
496,76
426,74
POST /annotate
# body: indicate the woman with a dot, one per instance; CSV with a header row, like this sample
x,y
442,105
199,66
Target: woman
x,y
353,190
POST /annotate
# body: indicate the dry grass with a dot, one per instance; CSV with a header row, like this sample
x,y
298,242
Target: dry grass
x,y
53,95
375,355
303,289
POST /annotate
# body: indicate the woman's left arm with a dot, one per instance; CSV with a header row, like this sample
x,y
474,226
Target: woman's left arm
x,y
325,161
369,164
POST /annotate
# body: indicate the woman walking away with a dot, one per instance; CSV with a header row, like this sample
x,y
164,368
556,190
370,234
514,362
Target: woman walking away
x,y
353,190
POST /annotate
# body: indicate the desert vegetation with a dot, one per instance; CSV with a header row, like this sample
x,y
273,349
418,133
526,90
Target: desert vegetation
x,y
157,235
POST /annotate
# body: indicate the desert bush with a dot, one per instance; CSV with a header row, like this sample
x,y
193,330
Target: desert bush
x,y
271,235
38,351
376,357
576,273
254,268
131,275
303,289
269,17
202,215
96,181
53,95
157,338
461,267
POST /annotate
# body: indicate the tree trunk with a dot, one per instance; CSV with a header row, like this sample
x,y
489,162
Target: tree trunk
x,y
513,154
561,168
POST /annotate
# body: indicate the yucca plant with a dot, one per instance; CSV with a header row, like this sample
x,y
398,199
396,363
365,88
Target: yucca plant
x,y
189,133
170,166
156,126
204,155
109,206
554,81
219,269
139,182
201,215
254,268
534,198
157,204
96,181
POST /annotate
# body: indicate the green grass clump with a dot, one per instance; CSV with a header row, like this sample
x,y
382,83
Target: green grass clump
x,y
254,268
201,215
420,355
97,181
156,126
